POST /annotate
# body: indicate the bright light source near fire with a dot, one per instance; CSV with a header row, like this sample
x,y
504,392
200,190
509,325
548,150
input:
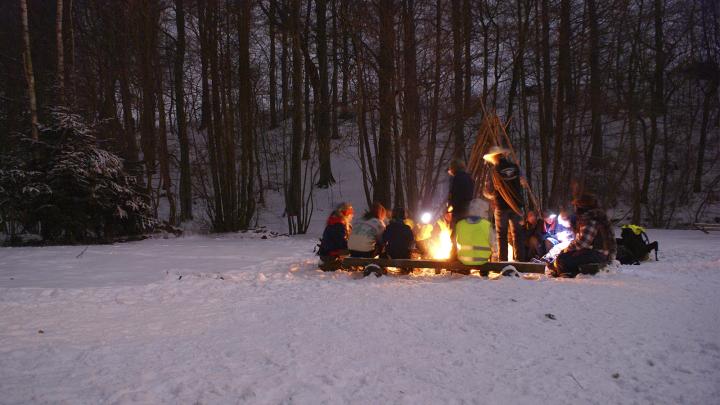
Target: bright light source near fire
x,y
440,246
426,218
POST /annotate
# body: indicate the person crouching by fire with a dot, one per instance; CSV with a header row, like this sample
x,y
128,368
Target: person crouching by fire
x,y
333,244
504,189
475,236
594,241
462,191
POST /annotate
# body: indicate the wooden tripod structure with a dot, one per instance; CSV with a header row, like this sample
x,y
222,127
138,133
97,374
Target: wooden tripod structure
x,y
492,132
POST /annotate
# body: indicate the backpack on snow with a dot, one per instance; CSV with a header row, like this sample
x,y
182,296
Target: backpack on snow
x,y
633,246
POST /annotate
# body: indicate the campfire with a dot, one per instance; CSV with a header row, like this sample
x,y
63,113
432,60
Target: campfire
x,y
435,239
440,246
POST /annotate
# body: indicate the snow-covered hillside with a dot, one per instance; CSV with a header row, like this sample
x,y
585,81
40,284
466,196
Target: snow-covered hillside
x,y
241,319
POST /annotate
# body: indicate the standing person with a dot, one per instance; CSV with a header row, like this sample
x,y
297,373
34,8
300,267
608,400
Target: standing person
x,y
475,236
334,242
504,188
594,241
367,233
462,191
398,238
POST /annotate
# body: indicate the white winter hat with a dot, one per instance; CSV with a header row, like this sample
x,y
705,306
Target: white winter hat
x,y
478,208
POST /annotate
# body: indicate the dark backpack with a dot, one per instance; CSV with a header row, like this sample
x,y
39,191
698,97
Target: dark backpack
x,y
634,245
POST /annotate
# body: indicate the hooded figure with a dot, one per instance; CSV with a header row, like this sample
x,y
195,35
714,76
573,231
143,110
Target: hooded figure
x,y
594,241
475,236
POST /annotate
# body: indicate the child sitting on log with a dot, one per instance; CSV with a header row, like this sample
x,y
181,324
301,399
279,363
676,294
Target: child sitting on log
x,y
367,233
334,240
398,237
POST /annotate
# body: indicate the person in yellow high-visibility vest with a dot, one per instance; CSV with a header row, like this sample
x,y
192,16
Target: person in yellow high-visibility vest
x,y
475,235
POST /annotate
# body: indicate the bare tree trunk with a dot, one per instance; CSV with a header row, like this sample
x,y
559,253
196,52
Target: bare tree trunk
x,y
326,178
398,192
345,59
309,114
632,125
294,198
164,155
562,88
595,183
519,57
546,132
382,189
334,78
247,154
657,100
147,38
458,104
432,137
186,207
70,68
29,74
410,108
130,151
486,49
60,51
708,96
468,59
284,86
272,73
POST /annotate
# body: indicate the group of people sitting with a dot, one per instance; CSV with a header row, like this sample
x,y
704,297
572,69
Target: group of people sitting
x,y
567,242
367,237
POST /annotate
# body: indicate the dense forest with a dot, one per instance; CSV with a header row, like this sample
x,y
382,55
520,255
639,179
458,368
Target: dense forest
x,y
112,109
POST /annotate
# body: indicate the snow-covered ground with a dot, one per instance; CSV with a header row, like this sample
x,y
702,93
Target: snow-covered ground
x,y
252,321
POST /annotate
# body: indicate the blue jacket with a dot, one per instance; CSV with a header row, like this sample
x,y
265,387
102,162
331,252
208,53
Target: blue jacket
x,y
334,239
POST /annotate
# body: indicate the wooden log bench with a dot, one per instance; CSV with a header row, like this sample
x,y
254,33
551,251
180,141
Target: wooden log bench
x,y
707,228
455,267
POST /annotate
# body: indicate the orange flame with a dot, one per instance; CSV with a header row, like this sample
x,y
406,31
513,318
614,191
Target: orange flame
x,y
440,247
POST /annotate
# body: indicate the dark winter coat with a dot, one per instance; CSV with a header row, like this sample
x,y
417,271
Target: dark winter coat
x,y
532,239
335,236
398,239
507,177
462,191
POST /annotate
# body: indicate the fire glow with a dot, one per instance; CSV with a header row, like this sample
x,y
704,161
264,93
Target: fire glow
x,y
440,247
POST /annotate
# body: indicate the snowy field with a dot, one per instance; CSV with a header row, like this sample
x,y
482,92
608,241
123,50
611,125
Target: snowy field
x,y
240,319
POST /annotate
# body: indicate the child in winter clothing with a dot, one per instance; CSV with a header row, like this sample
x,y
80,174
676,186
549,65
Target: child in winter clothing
x,y
334,240
398,238
367,233
475,236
